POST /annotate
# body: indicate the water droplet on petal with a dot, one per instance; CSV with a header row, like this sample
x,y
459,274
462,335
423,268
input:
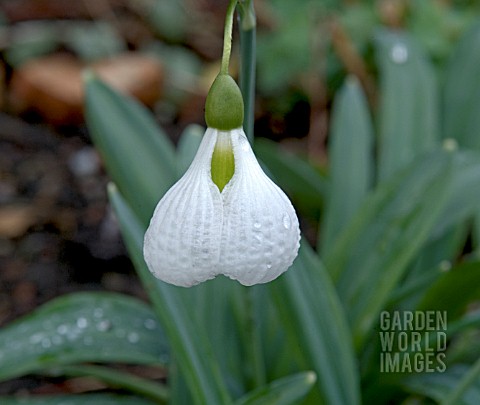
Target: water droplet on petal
x,y
133,337
62,329
287,222
269,265
399,53
257,225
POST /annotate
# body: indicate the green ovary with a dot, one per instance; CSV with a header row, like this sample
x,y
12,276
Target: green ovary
x,y
223,162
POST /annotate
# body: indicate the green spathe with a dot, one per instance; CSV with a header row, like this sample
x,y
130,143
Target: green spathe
x,y
224,105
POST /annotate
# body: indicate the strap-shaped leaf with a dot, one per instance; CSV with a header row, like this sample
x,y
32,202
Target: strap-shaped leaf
x,y
82,327
443,294
187,338
409,103
87,399
138,155
464,194
284,391
318,326
351,160
461,101
396,220
455,380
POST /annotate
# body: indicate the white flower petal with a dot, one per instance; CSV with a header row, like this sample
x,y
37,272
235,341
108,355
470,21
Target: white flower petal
x,y
249,232
182,243
260,230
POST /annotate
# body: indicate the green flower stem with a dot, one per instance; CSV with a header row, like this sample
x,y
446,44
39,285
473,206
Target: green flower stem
x,y
120,379
248,33
227,37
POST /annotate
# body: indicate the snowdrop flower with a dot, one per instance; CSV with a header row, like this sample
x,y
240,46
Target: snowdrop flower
x,y
224,216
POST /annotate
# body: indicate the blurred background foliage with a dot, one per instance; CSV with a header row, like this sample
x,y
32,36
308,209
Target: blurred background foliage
x,y
394,78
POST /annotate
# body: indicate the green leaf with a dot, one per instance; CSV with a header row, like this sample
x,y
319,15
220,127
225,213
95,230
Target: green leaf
x,y
476,233
373,252
317,324
116,379
187,337
439,386
434,258
351,160
443,294
464,194
138,156
461,101
284,52
248,58
469,382
86,399
168,18
187,147
470,320
94,40
408,111
30,40
451,229
214,305
305,185
93,327
285,391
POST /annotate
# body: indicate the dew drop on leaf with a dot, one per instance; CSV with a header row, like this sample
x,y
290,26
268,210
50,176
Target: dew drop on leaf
x,y
150,324
46,343
104,326
133,337
62,329
82,323
399,53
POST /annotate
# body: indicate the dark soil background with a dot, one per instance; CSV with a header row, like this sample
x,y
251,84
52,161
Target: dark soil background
x,y
57,233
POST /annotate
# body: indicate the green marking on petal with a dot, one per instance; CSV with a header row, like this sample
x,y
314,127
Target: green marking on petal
x,y
223,163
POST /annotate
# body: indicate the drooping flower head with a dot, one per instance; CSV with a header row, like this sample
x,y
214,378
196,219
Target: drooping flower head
x,y
224,216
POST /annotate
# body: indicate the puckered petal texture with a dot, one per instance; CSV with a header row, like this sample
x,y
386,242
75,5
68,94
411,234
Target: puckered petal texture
x,y
260,227
182,243
248,232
